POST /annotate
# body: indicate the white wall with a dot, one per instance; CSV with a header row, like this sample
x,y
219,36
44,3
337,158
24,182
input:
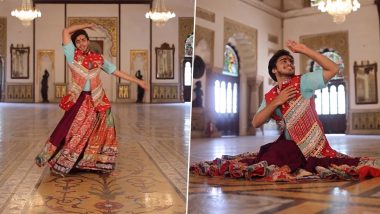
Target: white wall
x,y
169,34
53,19
134,36
16,34
363,40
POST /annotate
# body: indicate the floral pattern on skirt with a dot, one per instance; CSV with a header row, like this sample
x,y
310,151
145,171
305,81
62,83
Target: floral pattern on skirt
x,y
90,142
281,161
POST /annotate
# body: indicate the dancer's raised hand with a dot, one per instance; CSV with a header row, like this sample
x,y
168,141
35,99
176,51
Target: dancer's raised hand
x,y
295,47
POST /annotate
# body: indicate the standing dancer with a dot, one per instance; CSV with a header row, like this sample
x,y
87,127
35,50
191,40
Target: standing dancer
x,y
85,138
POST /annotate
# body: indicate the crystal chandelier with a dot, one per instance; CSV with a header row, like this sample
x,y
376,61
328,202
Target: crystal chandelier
x,y
338,8
160,15
27,13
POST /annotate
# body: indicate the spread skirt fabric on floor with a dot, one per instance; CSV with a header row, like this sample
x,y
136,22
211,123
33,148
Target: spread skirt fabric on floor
x,y
283,161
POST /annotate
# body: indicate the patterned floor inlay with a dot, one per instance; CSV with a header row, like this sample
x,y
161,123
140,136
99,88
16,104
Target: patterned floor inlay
x,y
224,195
135,186
139,184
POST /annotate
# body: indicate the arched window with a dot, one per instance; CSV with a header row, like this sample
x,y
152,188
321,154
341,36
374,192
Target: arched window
x,y
335,57
226,89
331,100
189,45
187,67
231,61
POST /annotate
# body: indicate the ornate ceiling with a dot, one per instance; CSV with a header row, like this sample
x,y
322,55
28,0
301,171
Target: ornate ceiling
x,y
286,5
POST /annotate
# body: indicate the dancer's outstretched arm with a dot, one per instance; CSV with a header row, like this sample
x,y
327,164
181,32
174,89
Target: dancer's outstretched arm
x,y
125,76
330,68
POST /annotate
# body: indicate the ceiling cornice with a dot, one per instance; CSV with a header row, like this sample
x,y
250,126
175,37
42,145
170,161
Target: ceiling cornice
x,y
260,5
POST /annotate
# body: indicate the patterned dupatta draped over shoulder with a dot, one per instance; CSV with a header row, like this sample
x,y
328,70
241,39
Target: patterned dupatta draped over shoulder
x,y
86,66
302,121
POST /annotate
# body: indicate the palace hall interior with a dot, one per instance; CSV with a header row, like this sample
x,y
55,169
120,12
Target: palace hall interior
x,y
234,40
153,135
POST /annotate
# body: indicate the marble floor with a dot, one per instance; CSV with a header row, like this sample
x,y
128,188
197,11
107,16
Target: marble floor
x,y
224,195
150,174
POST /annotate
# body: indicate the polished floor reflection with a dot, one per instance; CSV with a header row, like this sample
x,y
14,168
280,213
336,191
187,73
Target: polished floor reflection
x,y
223,195
150,175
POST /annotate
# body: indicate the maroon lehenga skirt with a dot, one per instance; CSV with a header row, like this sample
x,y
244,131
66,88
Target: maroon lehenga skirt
x,y
83,139
282,160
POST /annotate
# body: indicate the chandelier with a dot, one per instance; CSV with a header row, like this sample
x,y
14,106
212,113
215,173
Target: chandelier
x,y
27,13
160,15
338,8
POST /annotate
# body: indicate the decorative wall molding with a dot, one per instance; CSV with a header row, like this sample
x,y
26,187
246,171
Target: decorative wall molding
x,y
110,24
205,14
123,91
335,40
364,121
165,93
19,92
232,27
60,90
273,38
244,39
204,45
3,36
185,28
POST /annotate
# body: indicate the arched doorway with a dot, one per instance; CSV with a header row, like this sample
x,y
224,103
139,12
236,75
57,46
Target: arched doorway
x,y
226,94
330,102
